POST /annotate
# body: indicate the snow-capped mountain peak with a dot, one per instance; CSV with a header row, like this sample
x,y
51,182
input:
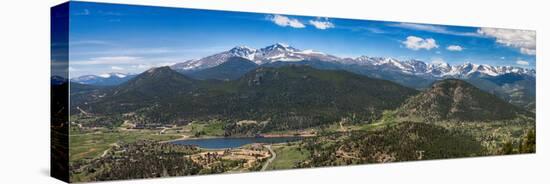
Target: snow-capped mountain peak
x,y
106,79
244,52
105,75
278,47
440,65
438,69
243,47
286,53
272,53
282,45
114,74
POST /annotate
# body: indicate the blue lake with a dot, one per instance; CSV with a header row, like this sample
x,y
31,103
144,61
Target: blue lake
x,y
234,142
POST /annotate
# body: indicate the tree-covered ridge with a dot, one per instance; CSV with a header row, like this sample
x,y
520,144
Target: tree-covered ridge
x,y
406,141
142,159
345,119
232,69
453,99
289,97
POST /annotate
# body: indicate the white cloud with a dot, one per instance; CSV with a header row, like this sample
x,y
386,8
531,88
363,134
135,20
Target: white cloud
x,y
117,58
321,24
524,40
455,48
142,66
127,64
522,62
434,29
108,60
417,43
286,21
137,51
116,68
528,51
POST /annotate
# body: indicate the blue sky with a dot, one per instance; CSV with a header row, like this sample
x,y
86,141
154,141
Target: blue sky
x,y
130,39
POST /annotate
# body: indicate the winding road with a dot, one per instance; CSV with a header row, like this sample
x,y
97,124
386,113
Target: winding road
x,y
82,111
107,151
273,156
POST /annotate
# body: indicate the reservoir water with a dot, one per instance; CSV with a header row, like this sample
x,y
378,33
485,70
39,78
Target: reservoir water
x,y
233,142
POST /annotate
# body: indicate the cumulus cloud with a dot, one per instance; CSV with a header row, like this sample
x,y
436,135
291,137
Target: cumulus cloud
x,y
285,21
522,62
528,51
524,40
417,43
454,48
319,24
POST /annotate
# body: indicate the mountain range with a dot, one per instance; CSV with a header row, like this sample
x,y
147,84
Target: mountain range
x,y
290,55
518,88
282,98
286,53
289,97
515,85
108,79
57,80
276,52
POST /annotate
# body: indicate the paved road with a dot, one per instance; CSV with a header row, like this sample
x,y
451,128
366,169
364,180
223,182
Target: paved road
x,y
273,156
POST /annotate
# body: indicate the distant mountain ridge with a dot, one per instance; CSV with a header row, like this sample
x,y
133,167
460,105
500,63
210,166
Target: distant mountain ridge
x,y
515,85
518,88
286,53
107,79
57,80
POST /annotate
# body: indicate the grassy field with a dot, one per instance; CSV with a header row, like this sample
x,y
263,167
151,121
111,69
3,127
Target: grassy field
x,y
211,128
287,156
90,145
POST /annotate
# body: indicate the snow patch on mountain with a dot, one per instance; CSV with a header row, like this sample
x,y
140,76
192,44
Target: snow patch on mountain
x,y
272,53
103,79
285,53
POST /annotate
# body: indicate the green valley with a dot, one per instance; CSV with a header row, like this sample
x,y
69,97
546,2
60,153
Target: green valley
x,y
341,118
